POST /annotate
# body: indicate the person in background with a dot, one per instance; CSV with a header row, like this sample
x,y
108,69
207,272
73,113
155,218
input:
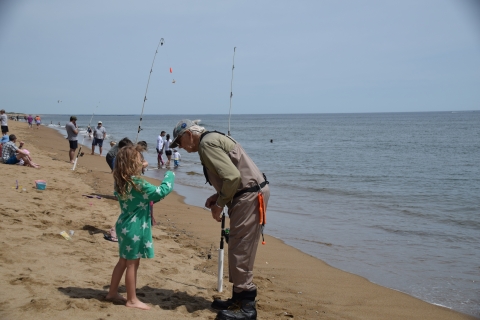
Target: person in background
x,y
134,225
176,158
142,147
168,151
29,157
89,131
112,153
12,155
4,122
3,140
30,121
99,134
72,132
160,145
243,189
38,121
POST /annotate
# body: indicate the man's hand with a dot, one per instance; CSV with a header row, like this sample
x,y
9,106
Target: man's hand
x,y
216,212
211,201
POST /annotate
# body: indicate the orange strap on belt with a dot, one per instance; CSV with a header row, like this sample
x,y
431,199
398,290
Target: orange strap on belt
x,y
262,213
262,209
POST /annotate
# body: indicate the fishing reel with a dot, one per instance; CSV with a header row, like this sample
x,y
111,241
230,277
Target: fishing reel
x,y
226,234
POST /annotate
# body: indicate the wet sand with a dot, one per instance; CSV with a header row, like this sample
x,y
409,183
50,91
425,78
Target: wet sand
x,y
44,276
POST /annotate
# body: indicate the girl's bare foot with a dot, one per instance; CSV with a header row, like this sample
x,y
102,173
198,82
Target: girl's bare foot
x,y
116,297
137,304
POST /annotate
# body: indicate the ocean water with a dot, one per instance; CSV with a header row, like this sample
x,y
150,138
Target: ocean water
x,y
393,197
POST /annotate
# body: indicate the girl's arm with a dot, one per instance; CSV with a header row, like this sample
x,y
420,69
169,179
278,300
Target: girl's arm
x,y
155,193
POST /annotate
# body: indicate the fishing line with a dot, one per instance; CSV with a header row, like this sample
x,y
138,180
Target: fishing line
x,y
160,43
231,91
79,154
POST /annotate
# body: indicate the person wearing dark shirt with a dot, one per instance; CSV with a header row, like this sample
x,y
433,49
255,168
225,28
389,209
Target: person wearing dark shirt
x,y
113,152
72,132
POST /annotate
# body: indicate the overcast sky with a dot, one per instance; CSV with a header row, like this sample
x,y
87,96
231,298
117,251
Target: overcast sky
x,y
292,56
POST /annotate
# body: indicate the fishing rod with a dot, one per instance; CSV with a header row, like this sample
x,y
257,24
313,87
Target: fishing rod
x,y
79,154
221,255
231,91
160,43
224,234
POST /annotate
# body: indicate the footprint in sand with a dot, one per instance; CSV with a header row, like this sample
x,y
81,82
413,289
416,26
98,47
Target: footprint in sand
x,y
169,271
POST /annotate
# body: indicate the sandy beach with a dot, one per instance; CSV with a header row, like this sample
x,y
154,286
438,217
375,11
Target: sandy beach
x,y
44,276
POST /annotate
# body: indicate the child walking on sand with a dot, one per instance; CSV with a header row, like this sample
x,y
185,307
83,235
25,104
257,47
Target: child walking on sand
x,y
134,224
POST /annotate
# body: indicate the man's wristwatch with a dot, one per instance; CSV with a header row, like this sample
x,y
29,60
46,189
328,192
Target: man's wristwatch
x,y
218,205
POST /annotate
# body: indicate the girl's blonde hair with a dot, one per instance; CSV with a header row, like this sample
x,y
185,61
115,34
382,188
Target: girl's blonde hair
x,y
127,165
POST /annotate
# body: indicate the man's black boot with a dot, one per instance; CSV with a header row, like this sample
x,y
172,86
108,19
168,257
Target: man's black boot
x,y
246,311
229,303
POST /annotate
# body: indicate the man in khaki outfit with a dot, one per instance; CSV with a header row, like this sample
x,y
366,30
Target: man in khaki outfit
x,y
237,181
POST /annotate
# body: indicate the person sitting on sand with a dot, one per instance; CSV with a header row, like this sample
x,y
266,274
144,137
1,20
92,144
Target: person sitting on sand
x,y
12,155
134,225
22,162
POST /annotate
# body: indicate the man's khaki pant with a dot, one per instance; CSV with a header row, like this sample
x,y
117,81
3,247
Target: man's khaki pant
x,y
245,233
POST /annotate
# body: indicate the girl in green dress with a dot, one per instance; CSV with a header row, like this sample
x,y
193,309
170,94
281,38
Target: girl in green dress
x,y
134,225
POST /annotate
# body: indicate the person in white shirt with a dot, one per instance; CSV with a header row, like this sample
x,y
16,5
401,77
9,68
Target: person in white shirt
x,y
99,134
176,158
4,119
160,144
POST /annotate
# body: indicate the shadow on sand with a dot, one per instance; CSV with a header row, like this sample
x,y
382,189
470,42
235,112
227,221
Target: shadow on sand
x,y
164,298
93,230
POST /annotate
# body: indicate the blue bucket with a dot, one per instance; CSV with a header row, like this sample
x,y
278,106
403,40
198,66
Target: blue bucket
x,y
41,185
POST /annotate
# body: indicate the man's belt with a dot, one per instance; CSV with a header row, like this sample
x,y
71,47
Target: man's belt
x,y
251,189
